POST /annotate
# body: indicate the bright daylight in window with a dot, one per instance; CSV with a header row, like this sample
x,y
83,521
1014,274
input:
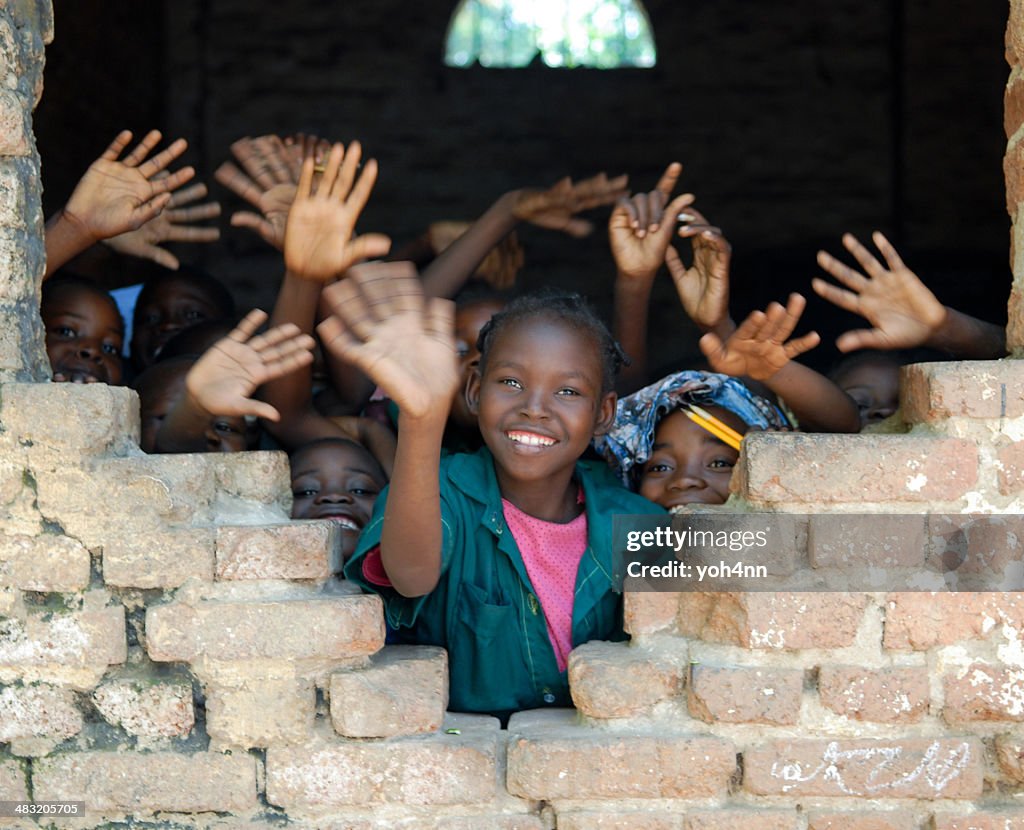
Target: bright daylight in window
x,y
601,34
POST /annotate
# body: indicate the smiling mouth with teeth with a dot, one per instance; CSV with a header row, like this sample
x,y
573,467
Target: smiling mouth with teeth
x,y
344,522
530,439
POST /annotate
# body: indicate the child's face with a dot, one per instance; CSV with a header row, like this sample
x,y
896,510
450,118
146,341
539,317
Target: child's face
x,y
223,433
173,305
84,336
337,482
688,465
468,322
540,399
874,387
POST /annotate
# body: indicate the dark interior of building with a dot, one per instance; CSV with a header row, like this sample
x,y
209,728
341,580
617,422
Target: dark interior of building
x,y
794,121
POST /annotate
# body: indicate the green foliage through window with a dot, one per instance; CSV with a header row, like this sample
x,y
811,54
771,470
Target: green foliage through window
x,y
603,34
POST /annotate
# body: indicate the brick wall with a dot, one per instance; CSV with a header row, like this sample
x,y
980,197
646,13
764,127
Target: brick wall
x,y
174,653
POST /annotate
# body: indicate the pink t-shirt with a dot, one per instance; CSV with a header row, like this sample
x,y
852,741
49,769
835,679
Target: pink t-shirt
x,y
551,553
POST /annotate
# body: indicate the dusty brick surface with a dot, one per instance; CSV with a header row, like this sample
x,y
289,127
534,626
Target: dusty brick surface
x,y
83,418
745,695
889,695
615,680
911,768
983,820
1013,102
404,691
879,820
421,770
158,559
919,621
795,468
320,627
261,712
1013,171
976,553
550,757
13,785
1011,468
1010,754
851,540
38,711
147,710
13,127
973,389
984,693
775,621
75,648
147,782
262,477
737,820
43,563
611,820
306,550
650,612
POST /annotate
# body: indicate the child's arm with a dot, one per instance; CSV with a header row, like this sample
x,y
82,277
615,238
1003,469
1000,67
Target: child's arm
x,y
174,224
901,308
318,246
223,380
554,208
114,196
406,344
761,349
640,232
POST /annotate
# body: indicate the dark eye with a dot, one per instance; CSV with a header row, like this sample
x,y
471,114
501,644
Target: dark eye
x,y
63,331
304,494
511,382
722,464
362,491
660,467
111,349
224,426
150,318
568,391
194,315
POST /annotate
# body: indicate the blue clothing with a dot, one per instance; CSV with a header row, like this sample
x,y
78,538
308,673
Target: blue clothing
x,y
484,609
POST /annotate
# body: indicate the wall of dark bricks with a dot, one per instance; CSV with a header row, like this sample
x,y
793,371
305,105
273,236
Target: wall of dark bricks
x,y
795,121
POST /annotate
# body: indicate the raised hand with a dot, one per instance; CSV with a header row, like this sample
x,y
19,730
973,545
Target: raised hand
x,y
223,380
381,322
904,313
319,238
120,194
556,207
268,183
703,288
173,224
640,228
760,347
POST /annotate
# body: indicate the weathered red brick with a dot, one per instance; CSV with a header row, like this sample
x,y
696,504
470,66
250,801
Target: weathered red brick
x,y
650,612
619,820
158,559
887,695
404,691
147,709
775,620
289,628
878,820
72,648
984,692
986,820
911,768
1010,753
1013,172
1013,102
82,418
147,782
38,712
260,711
1011,468
864,540
427,769
919,620
741,820
261,477
933,392
794,468
295,550
616,680
49,562
976,552
13,784
550,756
745,695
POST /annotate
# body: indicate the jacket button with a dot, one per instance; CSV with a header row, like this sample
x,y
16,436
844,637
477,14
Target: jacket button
x,y
549,698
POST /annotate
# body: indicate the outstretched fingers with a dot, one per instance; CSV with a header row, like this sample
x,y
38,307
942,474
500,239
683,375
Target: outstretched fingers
x,y
854,280
142,149
162,159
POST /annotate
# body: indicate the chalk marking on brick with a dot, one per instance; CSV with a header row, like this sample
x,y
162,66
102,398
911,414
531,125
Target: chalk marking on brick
x,y
938,772
917,483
